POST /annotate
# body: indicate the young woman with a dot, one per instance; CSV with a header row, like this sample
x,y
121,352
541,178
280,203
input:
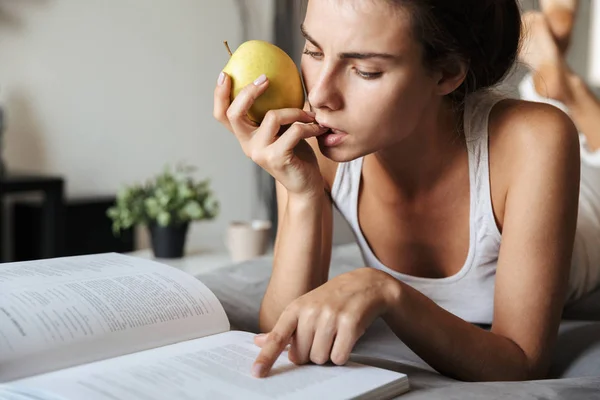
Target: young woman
x,y
464,204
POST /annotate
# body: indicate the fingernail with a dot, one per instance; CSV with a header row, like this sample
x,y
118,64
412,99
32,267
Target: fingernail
x,y
221,78
312,114
260,80
257,370
261,335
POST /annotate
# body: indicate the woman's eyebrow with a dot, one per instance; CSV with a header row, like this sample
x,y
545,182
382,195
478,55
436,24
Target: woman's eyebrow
x,y
363,56
354,55
307,36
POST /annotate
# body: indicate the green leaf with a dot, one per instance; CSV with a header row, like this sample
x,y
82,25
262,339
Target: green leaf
x,y
184,191
152,207
193,210
163,218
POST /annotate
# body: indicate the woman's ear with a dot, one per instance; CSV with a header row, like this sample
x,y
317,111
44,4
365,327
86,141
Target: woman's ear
x,y
451,77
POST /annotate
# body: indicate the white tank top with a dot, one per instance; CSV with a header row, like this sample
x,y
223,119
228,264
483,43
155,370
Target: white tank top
x,y
469,293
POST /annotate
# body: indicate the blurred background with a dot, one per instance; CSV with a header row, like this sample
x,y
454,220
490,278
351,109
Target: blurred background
x,y
103,93
97,94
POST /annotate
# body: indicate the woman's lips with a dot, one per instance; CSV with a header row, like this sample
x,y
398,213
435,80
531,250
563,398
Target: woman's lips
x,y
332,137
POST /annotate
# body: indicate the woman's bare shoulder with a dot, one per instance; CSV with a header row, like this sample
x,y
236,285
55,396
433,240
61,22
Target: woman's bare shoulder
x,y
524,134
520,129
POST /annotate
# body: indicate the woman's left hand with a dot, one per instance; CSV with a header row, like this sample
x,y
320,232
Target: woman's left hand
x,y
325,323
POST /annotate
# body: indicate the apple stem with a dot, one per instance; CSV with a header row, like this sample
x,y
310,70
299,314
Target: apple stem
x,y
227,47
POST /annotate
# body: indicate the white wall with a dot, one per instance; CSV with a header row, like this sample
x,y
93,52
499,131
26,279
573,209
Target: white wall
x,y
106,92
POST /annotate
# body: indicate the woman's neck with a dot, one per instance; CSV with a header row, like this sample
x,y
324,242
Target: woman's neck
x,y
420,161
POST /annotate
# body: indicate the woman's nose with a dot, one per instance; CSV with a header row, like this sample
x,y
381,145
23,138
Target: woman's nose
x,y
325,93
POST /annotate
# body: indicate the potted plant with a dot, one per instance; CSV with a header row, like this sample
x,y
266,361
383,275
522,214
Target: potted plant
x,y
166,204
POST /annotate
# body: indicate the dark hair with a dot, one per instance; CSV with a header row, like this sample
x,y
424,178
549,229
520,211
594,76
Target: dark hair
x,y
484,34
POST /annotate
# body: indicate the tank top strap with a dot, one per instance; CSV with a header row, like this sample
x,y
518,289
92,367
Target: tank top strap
x,y
477,112
345,186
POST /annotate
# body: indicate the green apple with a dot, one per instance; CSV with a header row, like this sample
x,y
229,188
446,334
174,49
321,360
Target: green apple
x,y
256,57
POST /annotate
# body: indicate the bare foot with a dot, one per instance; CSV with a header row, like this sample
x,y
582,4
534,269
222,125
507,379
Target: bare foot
x,y
540,52
561,17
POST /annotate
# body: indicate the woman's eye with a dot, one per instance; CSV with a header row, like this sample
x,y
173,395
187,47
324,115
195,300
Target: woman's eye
x,y
362,74
313,54
368,75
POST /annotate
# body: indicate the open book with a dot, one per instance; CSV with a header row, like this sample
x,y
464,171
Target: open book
x,y
111,326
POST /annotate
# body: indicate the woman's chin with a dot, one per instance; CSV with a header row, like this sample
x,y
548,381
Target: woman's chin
x,y
339,153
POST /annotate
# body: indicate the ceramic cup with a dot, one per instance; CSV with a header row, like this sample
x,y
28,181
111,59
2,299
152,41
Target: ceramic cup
x,y
248,239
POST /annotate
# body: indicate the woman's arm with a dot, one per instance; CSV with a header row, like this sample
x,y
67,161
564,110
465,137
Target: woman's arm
x,y
302,252
281,145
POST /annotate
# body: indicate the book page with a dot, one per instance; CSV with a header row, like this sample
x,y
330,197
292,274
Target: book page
x,y
65,311
215,367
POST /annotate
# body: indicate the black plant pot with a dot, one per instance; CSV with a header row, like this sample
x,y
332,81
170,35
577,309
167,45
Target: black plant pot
x,y
168,241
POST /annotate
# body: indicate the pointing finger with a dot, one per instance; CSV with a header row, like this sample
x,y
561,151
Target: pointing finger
x,y
276,342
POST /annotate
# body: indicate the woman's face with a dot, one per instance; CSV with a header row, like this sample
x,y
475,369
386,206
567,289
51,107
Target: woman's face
x,y
364,76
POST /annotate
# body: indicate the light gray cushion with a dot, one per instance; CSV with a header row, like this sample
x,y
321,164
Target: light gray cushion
x,y
587,308
577,351
572,389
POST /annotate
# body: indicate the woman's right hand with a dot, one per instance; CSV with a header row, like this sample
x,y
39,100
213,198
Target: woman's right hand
x,y
287,157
